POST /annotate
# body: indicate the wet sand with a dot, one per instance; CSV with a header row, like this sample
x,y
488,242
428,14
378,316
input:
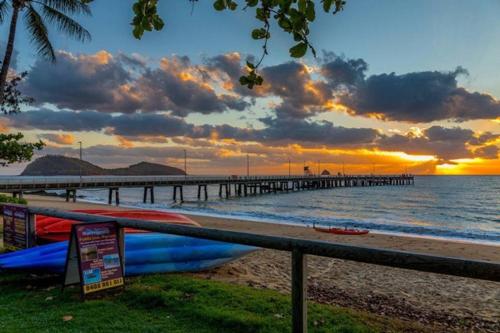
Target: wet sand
x,y
451,302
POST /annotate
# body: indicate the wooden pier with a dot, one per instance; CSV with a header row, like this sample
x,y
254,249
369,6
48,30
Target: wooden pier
x,y
233,186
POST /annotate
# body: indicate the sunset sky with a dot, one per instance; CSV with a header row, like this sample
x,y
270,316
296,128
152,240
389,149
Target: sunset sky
x,y
397,86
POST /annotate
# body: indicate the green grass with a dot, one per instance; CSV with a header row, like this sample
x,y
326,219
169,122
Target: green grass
x,y
168,303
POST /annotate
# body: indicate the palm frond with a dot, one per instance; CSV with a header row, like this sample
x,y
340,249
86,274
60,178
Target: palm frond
x,y
4,8
39,34
66,24
69,6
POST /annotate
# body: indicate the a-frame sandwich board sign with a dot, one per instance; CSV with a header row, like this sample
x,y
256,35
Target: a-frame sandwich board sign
x,y
95,257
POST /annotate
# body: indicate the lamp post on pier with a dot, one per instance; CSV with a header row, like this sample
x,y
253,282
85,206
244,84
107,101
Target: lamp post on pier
x,y
185,163
248,165
81,155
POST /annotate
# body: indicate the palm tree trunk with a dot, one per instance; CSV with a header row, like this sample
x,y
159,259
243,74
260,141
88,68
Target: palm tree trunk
x,y
8,50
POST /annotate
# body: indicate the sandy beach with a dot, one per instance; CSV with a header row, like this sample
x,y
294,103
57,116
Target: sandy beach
x,y
445,302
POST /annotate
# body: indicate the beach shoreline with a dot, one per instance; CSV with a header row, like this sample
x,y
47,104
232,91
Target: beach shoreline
x,y
434,299
204,215
428,245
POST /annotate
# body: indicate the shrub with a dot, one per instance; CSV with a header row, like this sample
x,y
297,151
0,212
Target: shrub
x,y
7,199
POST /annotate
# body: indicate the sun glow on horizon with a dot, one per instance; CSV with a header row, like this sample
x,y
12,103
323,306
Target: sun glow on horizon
x,y
408,157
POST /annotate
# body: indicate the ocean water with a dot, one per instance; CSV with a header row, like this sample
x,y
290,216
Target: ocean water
x,y
460,207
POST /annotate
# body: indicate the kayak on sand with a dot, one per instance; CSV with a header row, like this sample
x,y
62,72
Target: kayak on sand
x,y
145,253
341,231
53,229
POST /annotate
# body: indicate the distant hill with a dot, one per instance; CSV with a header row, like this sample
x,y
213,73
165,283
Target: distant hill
x,y
57,165
146,169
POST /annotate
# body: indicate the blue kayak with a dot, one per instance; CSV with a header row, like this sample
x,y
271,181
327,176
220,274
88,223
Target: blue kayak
x,y
144,254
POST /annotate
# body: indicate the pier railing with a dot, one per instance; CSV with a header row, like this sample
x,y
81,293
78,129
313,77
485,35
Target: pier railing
x,y
17,183
300,248
243,185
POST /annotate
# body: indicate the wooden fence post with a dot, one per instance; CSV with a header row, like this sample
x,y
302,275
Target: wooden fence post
x,y
299,292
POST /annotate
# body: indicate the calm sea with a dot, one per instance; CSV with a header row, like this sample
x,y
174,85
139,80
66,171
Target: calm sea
x,y
465,207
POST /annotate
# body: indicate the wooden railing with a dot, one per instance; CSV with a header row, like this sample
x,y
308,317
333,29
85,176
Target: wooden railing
x,y
300,248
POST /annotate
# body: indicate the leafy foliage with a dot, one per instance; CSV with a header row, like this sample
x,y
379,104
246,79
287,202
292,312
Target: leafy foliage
x,y
13,150
146,17
13,98
38,13
7,199
292,16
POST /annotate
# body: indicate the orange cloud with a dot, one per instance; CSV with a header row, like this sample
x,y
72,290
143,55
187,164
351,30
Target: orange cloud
x,y
59,139
123,142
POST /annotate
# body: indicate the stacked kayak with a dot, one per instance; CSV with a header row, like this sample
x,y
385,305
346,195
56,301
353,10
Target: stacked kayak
x,y
53,229
341,231
144,254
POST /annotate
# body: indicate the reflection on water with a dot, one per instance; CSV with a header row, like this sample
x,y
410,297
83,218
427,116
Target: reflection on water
x,y
446,206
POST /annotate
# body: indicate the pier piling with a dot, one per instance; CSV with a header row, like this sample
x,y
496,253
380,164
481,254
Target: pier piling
x,y
204,187
116,191
71,195
180,192
149,189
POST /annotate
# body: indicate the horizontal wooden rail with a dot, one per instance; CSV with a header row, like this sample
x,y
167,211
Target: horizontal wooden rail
x,y
401,259
300,248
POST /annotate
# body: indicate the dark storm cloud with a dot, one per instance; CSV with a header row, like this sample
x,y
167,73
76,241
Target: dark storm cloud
x,y
123,125
301,96
339,71
62,120
179,87
487,152
124,84
457,134
151,125
324,132
484,138
228,68
229,63
84,82
416,97
135,61
444,143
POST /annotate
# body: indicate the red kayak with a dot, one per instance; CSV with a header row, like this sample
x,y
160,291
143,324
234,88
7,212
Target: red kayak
x,y
53,229
342,231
